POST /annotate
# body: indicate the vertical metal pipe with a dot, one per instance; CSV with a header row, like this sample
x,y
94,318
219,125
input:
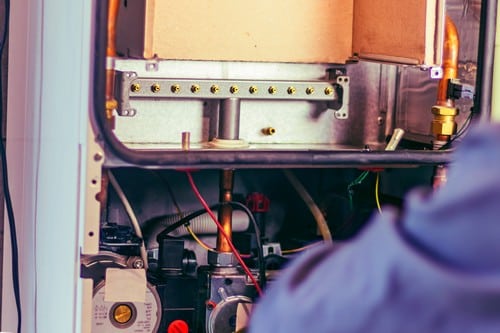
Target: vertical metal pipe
x,y
450,62
443,123
111,103
485,59
225,211
229,119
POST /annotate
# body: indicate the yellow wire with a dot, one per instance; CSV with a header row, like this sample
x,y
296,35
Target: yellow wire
x,y
199,241
377,199
300,249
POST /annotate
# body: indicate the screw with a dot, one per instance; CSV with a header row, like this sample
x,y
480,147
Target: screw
x,y
98,157
195,88
155,88
291,90
175,88
272,90
214,89
253,89
136,87
234,89
310,90
210,305
138,264
329,91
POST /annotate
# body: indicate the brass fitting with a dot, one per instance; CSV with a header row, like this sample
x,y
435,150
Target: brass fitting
x,y
155,87
269,131
234,89
329,91
111,104
272,90
253,89
444,120
195,88
291,90
214,89
175,88
310,90
135,87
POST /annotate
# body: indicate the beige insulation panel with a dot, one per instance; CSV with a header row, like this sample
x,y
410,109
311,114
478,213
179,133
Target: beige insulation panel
x,y
403,31
298,31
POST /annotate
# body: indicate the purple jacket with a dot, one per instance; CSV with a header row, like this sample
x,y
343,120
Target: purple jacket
x,y
434,267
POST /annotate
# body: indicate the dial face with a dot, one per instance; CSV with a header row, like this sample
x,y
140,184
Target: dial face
x,y
125,317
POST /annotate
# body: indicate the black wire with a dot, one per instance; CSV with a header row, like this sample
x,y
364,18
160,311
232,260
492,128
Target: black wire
x,y
260,253
185,221
5,179
460,132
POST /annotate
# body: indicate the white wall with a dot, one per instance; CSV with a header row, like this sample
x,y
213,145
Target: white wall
x,y
49,55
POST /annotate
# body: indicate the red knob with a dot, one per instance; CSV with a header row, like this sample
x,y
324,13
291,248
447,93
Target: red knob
x,y
178,326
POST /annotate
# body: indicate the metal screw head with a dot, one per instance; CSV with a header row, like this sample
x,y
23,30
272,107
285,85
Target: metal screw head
x,y
234,89
214,89
175,88
138,264
253,89
329,91
98,156
155,87
135,87
195,88
291,90
272,90
310,90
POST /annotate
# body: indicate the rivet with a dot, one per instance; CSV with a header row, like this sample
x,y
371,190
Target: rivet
x,y
253,89
310,90
272,90
291,90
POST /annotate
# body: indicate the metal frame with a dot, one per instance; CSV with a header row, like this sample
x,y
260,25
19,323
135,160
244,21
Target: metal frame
x,y
117,154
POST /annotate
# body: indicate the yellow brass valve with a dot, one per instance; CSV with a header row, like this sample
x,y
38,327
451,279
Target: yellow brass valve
x,y
444,120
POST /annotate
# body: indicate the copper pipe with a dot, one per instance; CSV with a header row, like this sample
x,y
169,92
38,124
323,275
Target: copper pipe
x,y
111,103
113,7
225,214
450,62
443,124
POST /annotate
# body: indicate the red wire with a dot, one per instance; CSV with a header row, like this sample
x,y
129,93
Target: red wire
x,y
221,229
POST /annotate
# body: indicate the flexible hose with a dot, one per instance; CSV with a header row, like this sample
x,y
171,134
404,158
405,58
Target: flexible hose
x,y
131,215
316,212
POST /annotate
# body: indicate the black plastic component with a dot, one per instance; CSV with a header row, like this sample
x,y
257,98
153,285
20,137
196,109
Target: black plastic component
x,y
457,90
178,305
120,239
170,256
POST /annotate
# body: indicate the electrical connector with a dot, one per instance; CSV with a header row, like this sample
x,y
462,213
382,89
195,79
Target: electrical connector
x,y
457,90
